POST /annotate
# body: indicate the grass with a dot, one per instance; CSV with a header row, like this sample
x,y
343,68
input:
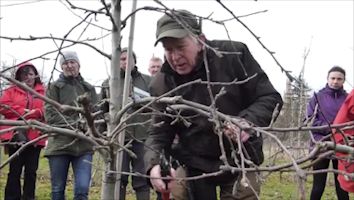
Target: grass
x,y
276,186
43,187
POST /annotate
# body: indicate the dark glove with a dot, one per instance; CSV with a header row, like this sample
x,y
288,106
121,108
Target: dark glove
x,y
81,125
20,136
104,106
254,147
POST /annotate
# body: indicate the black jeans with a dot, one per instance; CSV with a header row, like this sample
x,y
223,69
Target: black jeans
x,y
129,164
27,159
319,181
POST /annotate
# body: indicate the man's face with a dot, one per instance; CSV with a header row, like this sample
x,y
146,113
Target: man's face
x,y
182,53
335,80
154,67
124,60
70,68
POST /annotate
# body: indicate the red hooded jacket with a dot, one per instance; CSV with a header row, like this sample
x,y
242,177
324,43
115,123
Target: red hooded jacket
x,y
345,114
18,100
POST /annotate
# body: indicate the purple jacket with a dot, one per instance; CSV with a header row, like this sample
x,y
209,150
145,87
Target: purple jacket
x,y
329,101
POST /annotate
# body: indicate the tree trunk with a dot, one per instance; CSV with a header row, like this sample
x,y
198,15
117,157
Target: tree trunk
x,y
109,179
126,93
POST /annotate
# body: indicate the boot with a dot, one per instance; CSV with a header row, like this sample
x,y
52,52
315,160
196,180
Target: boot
x,y
122,192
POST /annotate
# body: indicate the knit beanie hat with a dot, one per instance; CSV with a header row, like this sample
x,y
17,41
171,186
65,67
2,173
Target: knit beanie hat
x,y
68,55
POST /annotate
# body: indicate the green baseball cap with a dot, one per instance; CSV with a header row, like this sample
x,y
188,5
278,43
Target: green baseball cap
x,y
167,26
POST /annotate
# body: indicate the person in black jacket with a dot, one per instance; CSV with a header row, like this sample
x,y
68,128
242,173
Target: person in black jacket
x,y
135,135
188,53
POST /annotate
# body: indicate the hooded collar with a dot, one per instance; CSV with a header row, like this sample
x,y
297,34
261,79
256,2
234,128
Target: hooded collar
x,y
22,65
38,87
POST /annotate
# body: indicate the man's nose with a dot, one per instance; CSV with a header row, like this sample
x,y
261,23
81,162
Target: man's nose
x,y
175,55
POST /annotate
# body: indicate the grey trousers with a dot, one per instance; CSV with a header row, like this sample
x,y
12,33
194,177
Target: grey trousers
x,y
180,190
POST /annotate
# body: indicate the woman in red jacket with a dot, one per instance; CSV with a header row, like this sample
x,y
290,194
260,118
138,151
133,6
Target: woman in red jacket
x,y
18,104
346,164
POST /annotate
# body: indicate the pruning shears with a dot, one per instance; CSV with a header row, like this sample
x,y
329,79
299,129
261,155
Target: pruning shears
x,y
165,171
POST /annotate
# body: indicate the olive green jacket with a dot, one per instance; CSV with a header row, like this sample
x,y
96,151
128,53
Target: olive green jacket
x,y
65,91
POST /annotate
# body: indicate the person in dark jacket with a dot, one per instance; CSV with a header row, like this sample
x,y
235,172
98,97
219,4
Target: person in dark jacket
x,y
323,107
198,148
63,150
135,135
18,104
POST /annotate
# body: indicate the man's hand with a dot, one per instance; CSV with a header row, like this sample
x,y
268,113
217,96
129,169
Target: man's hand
x,y
234,132
157,183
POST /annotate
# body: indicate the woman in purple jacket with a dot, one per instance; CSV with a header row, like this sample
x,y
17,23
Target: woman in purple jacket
x,y
324,106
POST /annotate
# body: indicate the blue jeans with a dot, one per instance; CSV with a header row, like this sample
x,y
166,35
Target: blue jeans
x,y
59,167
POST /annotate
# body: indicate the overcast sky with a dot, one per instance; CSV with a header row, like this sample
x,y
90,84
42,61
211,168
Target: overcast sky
x,y
287,28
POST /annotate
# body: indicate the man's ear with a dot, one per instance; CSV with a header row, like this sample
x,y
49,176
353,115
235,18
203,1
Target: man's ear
x,y
201,40
202,37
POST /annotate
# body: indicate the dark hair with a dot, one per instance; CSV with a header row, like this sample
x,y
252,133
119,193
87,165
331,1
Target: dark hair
x,y
126,50
336,69
24,70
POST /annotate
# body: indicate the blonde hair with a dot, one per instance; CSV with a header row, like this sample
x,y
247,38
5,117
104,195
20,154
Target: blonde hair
x,y
154,58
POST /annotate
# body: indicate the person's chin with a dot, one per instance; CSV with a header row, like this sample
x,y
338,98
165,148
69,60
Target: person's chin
x,y
336,87
183,70
29,84
71,75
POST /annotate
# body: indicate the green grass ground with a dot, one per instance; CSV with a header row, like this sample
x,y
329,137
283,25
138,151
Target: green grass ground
x,y
275,187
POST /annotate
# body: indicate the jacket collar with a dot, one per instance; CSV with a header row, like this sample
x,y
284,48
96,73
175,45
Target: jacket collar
x,y
134,73
327,89
333,92
63,78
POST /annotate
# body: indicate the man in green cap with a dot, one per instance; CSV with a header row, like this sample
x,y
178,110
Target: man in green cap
x,y
190,56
